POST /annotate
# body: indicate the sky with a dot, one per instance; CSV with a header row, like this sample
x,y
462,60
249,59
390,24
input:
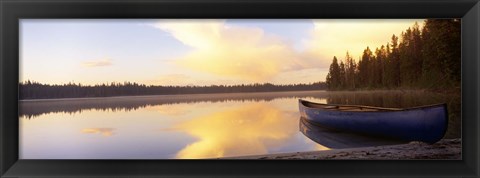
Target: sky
x,y
194,51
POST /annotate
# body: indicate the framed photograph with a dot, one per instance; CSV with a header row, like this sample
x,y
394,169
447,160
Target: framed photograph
x,y
239,88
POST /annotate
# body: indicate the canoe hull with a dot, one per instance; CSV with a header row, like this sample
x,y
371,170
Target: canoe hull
x,y
426,124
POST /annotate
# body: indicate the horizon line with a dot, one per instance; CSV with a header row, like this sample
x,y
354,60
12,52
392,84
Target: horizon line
x,y
189,85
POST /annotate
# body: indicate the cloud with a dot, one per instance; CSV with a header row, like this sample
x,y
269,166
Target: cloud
x,y
98,63
251,54
239,52
103,131
334,37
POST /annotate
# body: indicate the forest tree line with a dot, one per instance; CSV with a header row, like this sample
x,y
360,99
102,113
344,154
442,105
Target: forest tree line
x,y
420,58
35,90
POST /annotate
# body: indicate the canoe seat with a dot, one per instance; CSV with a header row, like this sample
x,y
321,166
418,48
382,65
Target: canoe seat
x,y
349,107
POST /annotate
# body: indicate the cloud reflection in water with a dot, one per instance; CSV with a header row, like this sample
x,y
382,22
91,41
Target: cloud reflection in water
x,y
103,131
243,130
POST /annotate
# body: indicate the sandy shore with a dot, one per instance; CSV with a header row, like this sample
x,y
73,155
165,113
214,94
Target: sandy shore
x,y
444,149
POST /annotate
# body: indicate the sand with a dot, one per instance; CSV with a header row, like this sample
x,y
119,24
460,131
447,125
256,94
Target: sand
x,y
446,149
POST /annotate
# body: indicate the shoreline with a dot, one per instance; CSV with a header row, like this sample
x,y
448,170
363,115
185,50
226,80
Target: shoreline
x,y
170,95
224,94
447,91
445,149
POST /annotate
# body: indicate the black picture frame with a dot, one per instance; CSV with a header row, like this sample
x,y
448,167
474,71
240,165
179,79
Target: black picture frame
x,y
13,10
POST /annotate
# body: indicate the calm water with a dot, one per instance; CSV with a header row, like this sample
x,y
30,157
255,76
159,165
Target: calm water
x,y
195,126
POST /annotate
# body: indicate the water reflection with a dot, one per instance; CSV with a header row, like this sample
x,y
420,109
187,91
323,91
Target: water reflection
x,y
32,108
102,131
170,109
207,130
338,139
244,130
194,126
394,99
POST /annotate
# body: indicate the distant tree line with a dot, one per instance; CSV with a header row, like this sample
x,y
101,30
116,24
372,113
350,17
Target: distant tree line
x,y
428,57
35,90
32,109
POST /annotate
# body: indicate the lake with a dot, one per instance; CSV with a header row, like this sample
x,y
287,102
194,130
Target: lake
x,y
195,126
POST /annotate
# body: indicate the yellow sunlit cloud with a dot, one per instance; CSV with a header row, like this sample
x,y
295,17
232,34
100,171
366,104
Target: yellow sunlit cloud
x,y
244,130
103,131
334,37
98,63
239,52
251,54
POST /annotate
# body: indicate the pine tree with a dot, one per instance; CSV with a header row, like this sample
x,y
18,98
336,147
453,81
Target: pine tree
x,y
342,76
394,66
364,67
333,77
349,71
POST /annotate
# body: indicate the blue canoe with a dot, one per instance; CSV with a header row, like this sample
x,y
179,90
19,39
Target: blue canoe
x,y
426,123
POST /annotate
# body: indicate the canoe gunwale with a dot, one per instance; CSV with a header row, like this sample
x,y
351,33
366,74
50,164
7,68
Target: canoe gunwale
x,y
378,109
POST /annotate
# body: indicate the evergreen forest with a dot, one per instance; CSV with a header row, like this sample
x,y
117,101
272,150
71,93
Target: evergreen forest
x,y
419,58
